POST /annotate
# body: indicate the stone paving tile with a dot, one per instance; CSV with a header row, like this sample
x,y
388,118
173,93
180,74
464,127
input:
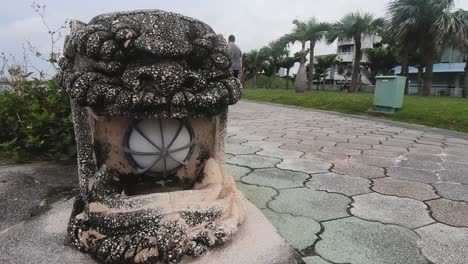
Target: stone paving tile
x,y
283,140
425,149
406,143
354,146
253,161
443,244
423,157
369,137
289,227
412,174
276,178
309,203
237,149
352,240
420,164
259,196
301,147
298,137
343,151
457,141
248,137
455,166
304,165
262,144
452,191
335,139
402,188
391,210
372,161
280,153
328,157
454,176
364,141
390,148
449,212
358,170
235,140
380,153
315,260
344,184
319,143
237,171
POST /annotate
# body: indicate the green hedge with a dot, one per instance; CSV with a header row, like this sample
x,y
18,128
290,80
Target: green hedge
x,y
37,124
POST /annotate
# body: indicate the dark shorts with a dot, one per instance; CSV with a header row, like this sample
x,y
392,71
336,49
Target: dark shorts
x,y
235,73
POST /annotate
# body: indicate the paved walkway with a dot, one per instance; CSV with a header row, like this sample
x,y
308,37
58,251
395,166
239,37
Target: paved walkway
x,y
346,190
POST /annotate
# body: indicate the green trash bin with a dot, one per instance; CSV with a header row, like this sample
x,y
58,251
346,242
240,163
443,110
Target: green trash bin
x,y
389,93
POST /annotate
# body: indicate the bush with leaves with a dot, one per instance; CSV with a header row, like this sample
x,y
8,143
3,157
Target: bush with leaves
x,y
36,124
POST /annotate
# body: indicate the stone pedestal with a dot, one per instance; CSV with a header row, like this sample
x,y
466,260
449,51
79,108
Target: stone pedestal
x,y
42,240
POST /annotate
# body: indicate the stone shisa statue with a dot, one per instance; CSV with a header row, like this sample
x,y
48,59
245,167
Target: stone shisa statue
x,y
149,92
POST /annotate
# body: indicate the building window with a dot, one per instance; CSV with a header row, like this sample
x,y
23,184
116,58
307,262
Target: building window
x,y
346,49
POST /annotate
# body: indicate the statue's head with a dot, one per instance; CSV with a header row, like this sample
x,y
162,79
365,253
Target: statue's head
x,y
149,92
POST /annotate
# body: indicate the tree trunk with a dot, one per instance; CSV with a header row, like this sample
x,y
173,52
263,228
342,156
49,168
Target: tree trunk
x,y
405,73
420,73
357,63
254,79
287,78
273,77
427,87
301,78
311,65
465,88
323,83
405,69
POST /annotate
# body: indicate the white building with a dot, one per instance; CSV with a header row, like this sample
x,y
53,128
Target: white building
x,y
346,52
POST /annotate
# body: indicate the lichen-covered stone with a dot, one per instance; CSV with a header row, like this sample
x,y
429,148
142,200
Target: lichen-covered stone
x,y
148,63
122,67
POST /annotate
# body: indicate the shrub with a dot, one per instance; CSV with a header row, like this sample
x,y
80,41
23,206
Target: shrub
x,y
36,124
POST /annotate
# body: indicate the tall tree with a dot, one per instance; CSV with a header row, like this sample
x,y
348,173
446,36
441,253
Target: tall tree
x,y
381,60
299,34
310,31
355,26
315,32
273,54
427,24
458,38
288,63
323,65
252,63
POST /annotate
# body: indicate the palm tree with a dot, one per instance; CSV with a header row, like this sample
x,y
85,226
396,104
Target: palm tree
x,y
299,34
323,65
273,54
354,26
315,32
428,24
288,63
459,37
311,31
252,63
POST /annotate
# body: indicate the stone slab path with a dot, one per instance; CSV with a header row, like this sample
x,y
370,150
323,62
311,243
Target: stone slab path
x,y
343,189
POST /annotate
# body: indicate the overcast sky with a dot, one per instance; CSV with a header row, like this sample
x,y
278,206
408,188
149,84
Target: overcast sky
x,y
254,22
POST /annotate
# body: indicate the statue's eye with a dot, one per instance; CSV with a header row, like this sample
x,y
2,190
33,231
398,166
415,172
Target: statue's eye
x,y
158,147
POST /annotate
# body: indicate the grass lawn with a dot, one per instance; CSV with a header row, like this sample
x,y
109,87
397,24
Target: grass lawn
x,y
441,112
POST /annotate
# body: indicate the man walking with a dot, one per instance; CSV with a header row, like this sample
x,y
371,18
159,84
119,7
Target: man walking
x,y
236,66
